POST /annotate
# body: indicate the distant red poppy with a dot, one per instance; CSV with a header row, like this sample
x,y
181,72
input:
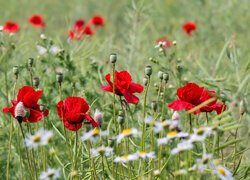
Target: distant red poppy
x,y
164,41
188,27
191,95
37,21
11,27
79,24
97,21
124,86
27,99
73,112
88,31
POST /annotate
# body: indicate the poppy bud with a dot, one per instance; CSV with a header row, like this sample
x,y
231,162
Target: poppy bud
x,y
175,116
98,117
59,77
43,37
113,58
16,70
160,75
36,82
42,107
166,76
148,70
145,81
174,43
161,94
121,119
154,105
19,112
30,62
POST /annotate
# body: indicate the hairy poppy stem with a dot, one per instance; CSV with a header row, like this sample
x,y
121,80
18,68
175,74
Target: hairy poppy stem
x,y
114,110
11,132
76,139
27,153
31,76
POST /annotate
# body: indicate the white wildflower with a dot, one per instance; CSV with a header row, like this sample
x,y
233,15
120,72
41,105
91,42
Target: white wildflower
x,y
50,174
107,151
41,50
182,146
223,173
92,135
54,50
145,155
127,133
126,158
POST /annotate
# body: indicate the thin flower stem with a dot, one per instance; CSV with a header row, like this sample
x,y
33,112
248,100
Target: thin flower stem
x,y
11,130
44,149
190,123
27,153
103,167
162,118
235,145
92,160
19,152
31,76
144,115
114,110
76,139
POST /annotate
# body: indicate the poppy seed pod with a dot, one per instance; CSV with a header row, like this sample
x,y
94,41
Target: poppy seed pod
x,y
16,70
160,75
148,70
113,58
98,117
59,77
154,105
30,62
145,81
121,119
36,82
166,76
19,112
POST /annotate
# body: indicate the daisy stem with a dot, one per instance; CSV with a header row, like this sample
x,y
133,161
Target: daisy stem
x,y
27,153
114,110
11,131
162,118
144,115
92,160
103,169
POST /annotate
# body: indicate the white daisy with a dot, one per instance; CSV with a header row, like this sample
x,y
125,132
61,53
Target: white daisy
x,y
50,174
93,135
41,50
204,162
159,126
160,44
145,155
126,158
42,36
182,146
156,172
127,133
180,172
172,135
223,173
54,50
149,120
107,151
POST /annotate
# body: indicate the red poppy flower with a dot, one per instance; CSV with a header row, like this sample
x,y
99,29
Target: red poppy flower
x,y
124,86
11,27
164,41
73,111
188,27
79,24
88,31
27,97
37,21
97,21
191,95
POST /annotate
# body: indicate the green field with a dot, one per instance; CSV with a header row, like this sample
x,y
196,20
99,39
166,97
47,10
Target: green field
x,y
216,57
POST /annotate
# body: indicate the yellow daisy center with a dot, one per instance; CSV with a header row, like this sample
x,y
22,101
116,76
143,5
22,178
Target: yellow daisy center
x,y
172,133
200,131
143,153
124,157
127,132
51,174
222,171
216,161
96,131
36,138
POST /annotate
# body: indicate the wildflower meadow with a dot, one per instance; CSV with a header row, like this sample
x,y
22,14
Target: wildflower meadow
x,y
129,89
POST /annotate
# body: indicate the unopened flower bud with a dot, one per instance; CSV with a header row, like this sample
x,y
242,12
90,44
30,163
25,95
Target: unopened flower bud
x,y
175,116
145,81
174,43
16,70
113,58
36,82
166,76
161,94
43,37
52,151
19,112
59,77
160,75
154,105
98,117
30,62
73,173
43,107
148,70
121,119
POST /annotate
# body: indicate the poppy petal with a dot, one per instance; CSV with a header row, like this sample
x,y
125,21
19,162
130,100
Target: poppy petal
x,y
72,127
130,98
135,88
107,77
35,116
92,121
60,109
76,105
31,99
23,92
107,88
